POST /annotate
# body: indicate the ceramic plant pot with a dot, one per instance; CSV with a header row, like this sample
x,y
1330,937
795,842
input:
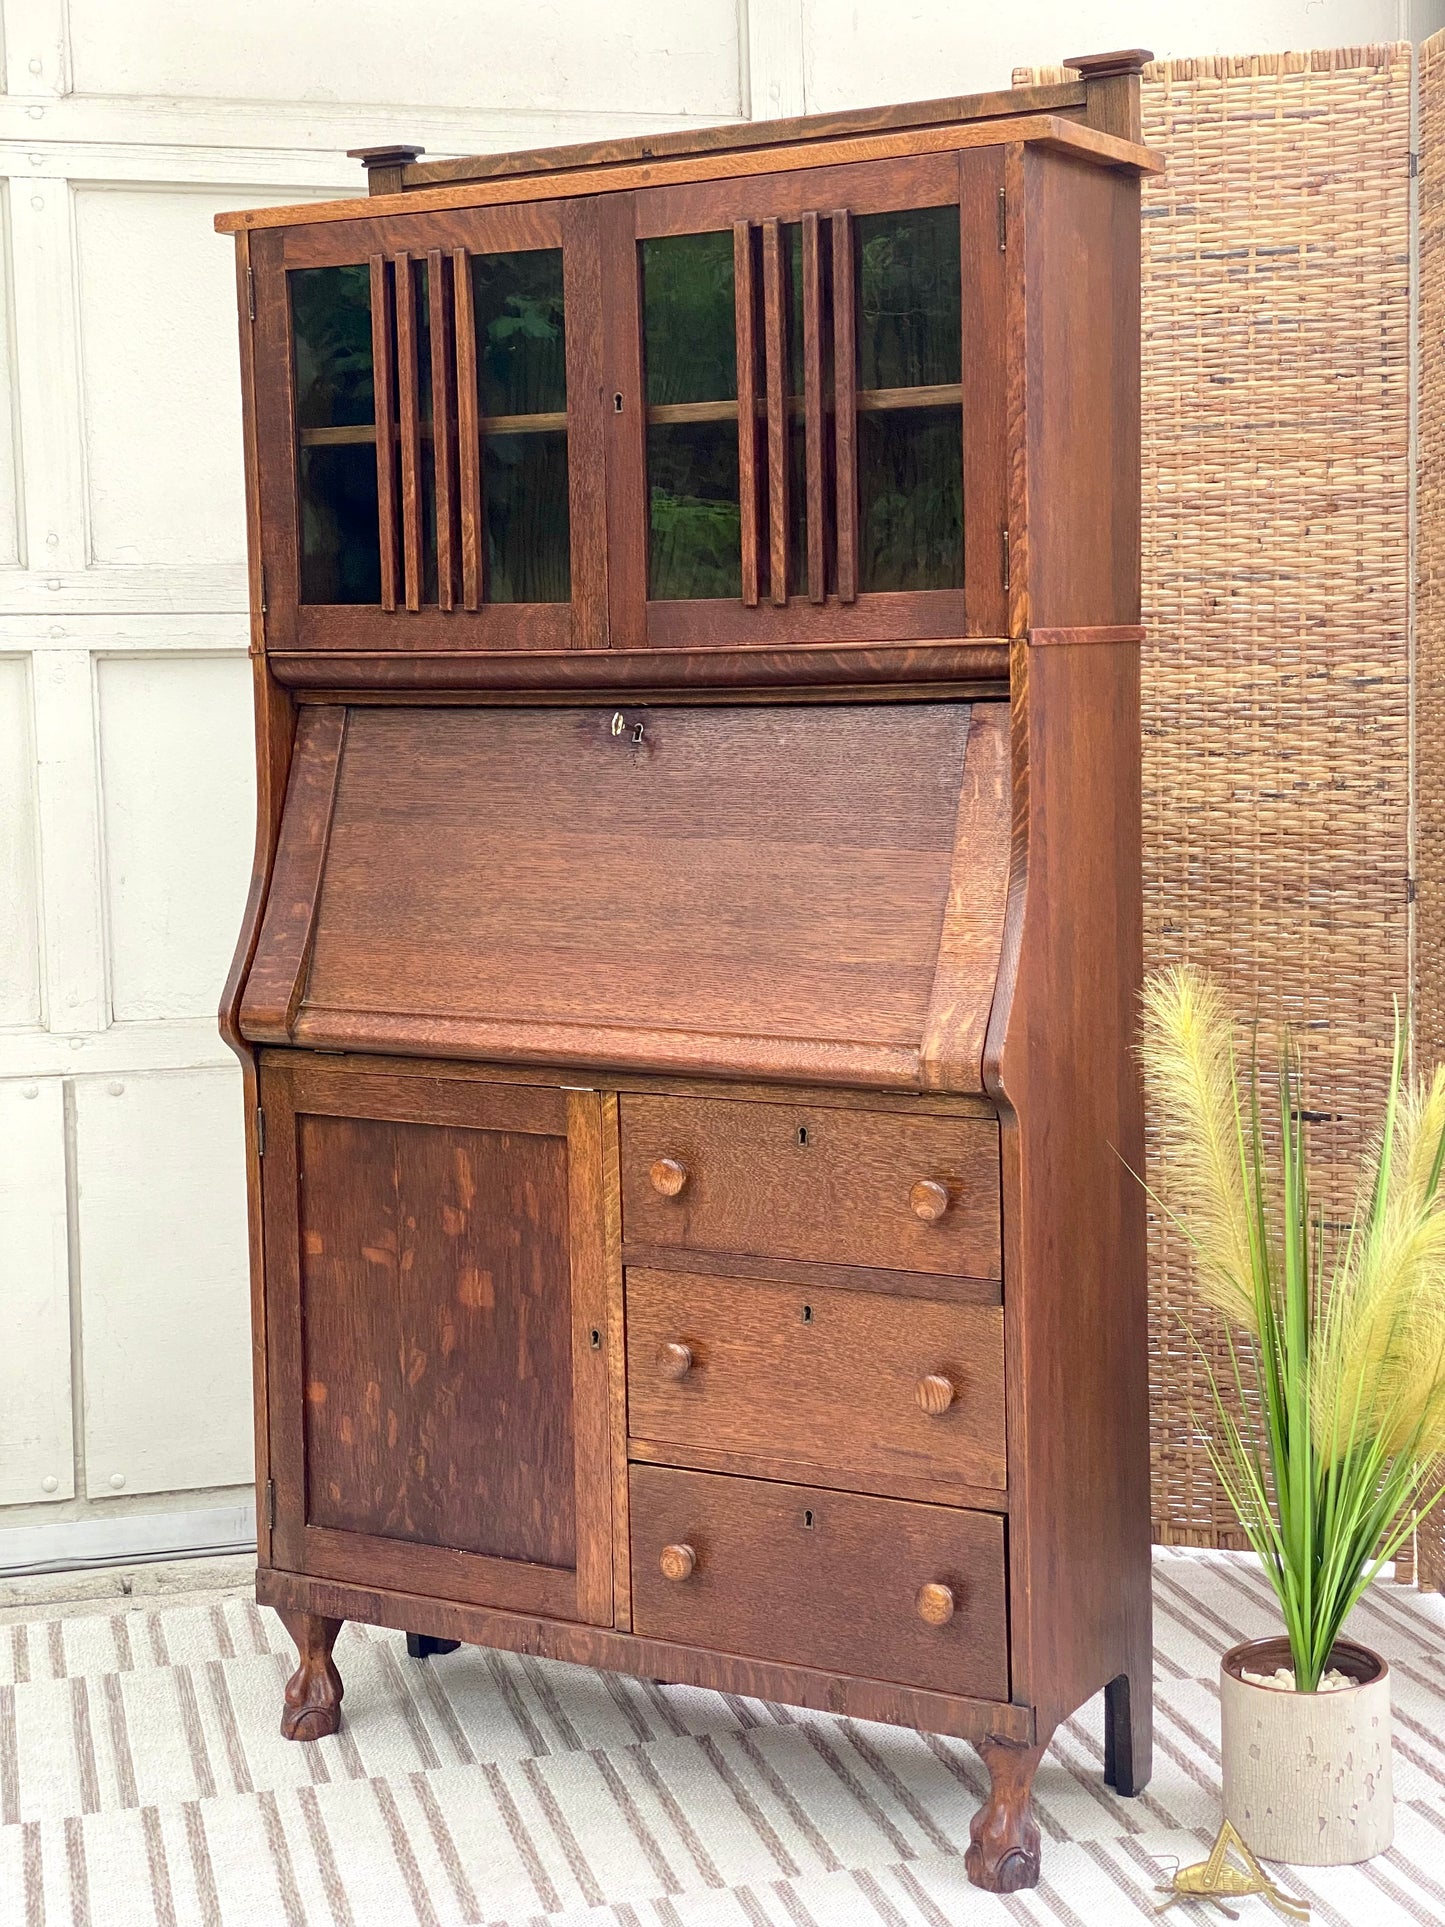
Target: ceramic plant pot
x,y
1307,1775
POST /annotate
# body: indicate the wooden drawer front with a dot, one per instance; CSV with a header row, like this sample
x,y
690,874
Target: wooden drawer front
x,y
802,1181
812,1577
854,1381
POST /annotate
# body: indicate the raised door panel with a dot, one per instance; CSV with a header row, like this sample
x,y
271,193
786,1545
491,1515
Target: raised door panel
x,y
436,1337
428,410
816,452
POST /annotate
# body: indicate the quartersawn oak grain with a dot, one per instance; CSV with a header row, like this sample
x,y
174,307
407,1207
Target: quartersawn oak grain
x,y
830,906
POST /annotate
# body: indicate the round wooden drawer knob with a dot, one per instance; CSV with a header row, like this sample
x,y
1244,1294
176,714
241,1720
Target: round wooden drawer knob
x,y
935,1393
935,1603
929,1200
677,1562
668,1176
674,1360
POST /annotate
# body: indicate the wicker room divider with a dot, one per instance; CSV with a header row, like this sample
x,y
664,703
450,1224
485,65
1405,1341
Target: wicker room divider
x,y
1276,326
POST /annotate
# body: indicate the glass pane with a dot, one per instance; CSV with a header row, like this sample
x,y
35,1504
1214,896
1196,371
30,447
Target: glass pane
x,y
910,456
331,324
340,545
688,323
910,481
909,298
524,490
521,344
695,547
336,470
522,371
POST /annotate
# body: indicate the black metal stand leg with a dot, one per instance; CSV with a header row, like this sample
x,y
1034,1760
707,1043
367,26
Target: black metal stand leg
x,y
423,1646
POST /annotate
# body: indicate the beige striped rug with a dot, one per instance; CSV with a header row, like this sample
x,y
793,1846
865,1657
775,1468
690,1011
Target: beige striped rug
x,y
142,1780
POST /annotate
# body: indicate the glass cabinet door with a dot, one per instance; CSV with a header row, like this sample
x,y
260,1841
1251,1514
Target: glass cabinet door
x,y
434,495
813,375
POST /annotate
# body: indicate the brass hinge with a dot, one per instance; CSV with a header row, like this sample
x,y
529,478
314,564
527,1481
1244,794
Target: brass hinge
x,y
260,1132
270,1505
1412,889
263,588
250,292
1004,533
1002,223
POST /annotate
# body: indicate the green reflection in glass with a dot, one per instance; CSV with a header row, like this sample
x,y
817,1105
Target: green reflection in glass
x,y
340,546
331,328
521,340
524,489
688,323
910,484
695,547
909,299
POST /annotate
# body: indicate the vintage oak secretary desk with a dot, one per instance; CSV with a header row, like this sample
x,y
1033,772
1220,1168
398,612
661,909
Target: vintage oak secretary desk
x,y
687,986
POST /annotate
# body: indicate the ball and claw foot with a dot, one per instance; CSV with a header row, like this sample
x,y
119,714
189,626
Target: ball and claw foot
x,y
1003,1848
313,1692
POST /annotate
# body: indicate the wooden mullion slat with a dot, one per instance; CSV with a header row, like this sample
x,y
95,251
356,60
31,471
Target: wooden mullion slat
x,y
775,341
384,389
443,412
469,452
409,420
745,325
813,404
845,408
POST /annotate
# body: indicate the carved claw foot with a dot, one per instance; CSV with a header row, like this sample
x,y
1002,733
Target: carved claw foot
x,y
313,1692
1003,1849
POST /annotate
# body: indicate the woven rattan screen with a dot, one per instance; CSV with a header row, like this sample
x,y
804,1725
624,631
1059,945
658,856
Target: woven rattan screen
x,y
1276,575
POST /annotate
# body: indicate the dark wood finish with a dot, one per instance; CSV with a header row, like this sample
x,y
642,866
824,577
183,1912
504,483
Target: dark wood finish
x,y
445,417
469,455
779,1372
385,166
813,424
1050,132
408,427
831,1186
1068,96
383,364
845,408
775,356
312,1705
804,1575
745,305
423,1646
1003,1845
708,1247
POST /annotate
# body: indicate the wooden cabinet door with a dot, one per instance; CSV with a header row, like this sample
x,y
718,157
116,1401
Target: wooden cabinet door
x,y
428,417
436,1338
818,452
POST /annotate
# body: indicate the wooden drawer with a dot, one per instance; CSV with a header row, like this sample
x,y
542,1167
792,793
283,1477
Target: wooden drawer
x,y
809,1182
812,1577
870,1386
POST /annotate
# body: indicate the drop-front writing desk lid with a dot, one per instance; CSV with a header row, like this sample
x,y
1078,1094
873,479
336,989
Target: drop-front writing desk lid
x,y
807,892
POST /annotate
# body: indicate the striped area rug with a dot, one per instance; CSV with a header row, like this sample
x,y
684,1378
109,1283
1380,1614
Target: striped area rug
x,y
142,1780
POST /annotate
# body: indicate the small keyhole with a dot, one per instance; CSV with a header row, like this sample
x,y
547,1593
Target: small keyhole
x,y
807,1314
637,732
617,404
808,1518
803,1134
596,1340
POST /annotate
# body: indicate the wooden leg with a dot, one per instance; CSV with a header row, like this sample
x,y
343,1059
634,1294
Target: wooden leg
x,y
1003,1847
1129,1731
313,1692
423,1646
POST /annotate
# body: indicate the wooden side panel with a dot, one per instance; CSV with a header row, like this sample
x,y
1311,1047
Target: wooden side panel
x,y
1082,258
968,948
590,1418
812,1577
283,949
583,285
786,1373
1060,1058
